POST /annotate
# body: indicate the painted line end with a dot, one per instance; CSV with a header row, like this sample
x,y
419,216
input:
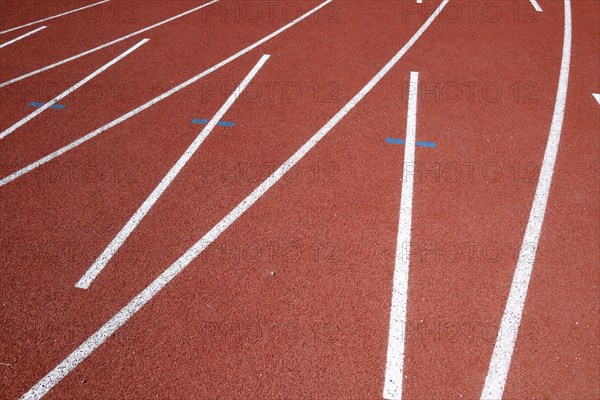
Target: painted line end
x,y
82,286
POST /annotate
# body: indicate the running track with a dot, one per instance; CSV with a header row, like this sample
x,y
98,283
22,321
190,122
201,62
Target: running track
x,y
292,300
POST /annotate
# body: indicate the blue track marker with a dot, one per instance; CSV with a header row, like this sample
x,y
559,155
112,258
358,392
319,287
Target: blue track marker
x,y
205,121
420,144
38,104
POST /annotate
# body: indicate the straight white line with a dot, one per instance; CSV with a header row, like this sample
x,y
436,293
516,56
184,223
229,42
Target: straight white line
x,y
70,90
509,327
152,102
535,5
85,53
91,274
121,317
22,36
597,97
52,17
392,388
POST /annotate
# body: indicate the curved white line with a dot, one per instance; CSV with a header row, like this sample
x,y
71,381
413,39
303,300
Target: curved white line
x,y
155,100
507,334
85,53
70,90
54,16
22,36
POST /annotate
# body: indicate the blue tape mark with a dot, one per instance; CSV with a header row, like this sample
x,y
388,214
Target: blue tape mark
x,y
394,141
426,144
205,122
38,104
401,141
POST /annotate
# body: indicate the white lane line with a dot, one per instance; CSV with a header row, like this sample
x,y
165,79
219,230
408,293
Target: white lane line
x,y
152,102
392,388
54,16
535,5
507,334
597,97
85,53
22,36
121,317
70,90
91,274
